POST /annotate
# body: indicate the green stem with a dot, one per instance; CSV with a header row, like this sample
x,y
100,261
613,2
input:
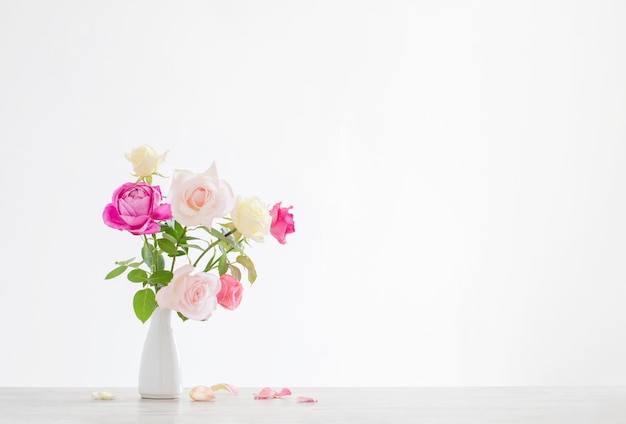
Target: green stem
x,y
215,243
212,245
145,242
178,244
155,259
209,266
173,262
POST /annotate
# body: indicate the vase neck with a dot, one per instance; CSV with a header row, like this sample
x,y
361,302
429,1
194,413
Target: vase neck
x,y
161,316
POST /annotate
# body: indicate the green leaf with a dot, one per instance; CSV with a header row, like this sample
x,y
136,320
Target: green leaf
x,y
194,246
169,231
160,263
137,276
235,272
184,318
149,179
161,277
146,254
170,237
215,233
247,262
222,265
251,275
167,246
144,304
226,241
117,271
126,262
211,264
180,230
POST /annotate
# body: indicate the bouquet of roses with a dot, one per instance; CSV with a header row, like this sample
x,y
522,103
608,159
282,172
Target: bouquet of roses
x,y
202,227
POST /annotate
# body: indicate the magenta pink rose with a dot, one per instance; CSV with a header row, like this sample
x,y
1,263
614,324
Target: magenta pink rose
x,y
230,294
136,207
282,222
194,295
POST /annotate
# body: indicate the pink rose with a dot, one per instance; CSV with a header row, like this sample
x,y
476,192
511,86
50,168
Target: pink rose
x,y
193,295
230,294
135,208
282,222
199,198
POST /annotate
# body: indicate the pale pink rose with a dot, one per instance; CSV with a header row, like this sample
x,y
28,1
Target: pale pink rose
x,y
197,199
230,294
282,223
193,295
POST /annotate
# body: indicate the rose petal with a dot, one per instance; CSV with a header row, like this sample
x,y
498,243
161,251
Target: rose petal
x,y
305,399
265,393
269,393
202,393
102,395
284,392
224,386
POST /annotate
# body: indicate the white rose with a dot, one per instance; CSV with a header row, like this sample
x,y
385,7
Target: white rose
x,y
197,199
145,160
251,217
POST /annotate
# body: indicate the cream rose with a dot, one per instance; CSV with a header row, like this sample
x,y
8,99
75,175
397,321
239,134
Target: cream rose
x,y
197,199
251,217
145,160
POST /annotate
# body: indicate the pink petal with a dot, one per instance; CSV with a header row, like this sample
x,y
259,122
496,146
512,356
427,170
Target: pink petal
x,y
265,393
202,393
162,212
305,399
284,392
224,386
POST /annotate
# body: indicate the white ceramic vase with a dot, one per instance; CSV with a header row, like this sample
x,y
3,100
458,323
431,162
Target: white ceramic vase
x,y
159,371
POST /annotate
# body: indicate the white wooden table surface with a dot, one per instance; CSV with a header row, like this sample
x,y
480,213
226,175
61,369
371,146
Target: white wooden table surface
x,y
462,405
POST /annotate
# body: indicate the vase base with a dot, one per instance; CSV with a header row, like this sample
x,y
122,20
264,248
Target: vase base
x,y
163,397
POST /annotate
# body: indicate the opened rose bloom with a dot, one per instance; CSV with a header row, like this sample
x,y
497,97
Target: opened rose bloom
x,y
194,295
282,222
230,294
145,160
135,208
197,199
251,217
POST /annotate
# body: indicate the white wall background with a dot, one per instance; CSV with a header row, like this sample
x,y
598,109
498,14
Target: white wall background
x,y
456,170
